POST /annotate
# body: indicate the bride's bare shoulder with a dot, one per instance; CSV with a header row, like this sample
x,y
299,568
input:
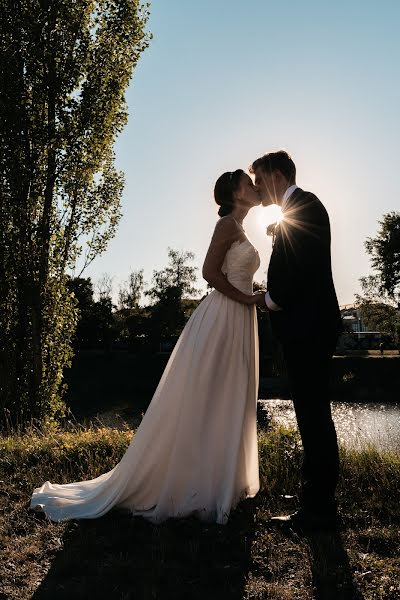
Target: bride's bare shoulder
x,y
226,232
226,225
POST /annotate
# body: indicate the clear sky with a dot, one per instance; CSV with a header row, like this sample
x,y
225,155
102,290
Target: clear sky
x,y
224,81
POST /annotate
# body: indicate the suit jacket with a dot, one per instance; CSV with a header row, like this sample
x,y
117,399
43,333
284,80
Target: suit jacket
x,y
300,274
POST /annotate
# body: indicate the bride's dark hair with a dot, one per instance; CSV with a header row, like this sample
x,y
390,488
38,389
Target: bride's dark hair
x,y
224,190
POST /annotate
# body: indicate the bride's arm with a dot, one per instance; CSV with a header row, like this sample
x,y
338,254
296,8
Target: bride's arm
x,y
225,234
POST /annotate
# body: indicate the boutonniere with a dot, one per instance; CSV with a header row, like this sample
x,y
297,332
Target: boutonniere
x,y
271,231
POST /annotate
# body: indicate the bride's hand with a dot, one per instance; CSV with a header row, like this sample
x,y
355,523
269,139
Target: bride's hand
x,y
258,298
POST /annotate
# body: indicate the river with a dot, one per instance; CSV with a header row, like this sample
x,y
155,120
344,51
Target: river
x,y
357,425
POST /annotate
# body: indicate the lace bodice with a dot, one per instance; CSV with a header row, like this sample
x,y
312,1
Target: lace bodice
x,y
240,264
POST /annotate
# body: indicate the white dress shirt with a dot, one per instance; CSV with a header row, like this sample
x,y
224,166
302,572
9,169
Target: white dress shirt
x,y
268,300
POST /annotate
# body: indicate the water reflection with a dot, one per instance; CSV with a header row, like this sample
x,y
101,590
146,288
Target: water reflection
x,y
357,425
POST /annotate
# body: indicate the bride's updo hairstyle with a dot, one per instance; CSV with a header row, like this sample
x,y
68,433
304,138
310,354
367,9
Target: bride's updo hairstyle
x,y
224,191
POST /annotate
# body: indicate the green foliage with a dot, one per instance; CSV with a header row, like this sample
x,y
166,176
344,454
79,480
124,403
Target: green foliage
x,y
280,457
377,302
171,286
130,293
384,250
76,453
170,305
95,319
65,66
381,317
177,275
82,290
100,323
378,311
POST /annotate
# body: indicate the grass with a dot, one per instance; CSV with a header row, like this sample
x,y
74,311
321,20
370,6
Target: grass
x,y
128,558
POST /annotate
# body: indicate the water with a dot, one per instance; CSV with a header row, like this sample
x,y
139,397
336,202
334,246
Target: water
x,y
357,425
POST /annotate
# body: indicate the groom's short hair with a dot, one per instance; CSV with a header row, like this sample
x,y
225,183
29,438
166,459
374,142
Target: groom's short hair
x,y
276,161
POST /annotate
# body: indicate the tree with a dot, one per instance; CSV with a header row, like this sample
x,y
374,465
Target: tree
x,y
104,286
378,310
64,68
170,287
178,274
95,319
384,250
381,317
130,292
379,301
82,289
131,318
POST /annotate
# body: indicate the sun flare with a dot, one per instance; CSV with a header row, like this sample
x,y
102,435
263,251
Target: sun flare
x,y
270,214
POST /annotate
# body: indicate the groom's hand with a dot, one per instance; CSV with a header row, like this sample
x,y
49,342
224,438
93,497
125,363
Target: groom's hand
x,y
260,299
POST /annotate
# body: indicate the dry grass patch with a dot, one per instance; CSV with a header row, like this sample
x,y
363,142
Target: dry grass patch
x,y
128,558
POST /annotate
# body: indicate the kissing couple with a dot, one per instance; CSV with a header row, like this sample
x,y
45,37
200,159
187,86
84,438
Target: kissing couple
x,y
195,451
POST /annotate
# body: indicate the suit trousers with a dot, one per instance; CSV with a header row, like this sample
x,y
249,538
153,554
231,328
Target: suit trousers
x,y
308,366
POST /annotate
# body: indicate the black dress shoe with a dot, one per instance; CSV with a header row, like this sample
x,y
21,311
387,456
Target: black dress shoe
x,y
302,521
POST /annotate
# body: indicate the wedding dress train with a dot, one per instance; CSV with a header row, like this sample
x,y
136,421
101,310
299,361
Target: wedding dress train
x,y
195,451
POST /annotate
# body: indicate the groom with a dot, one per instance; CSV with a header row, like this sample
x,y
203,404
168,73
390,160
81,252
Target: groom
x,y
305,318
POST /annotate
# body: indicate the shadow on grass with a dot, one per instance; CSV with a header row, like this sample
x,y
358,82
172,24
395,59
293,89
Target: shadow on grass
x,y
332,575
118,556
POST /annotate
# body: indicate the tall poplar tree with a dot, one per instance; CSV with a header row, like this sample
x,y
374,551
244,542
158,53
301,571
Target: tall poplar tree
x,y
64,68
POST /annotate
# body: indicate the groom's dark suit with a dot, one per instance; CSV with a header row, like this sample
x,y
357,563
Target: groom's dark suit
x,y
300,282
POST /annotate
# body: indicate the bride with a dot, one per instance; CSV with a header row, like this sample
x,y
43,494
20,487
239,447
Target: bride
x,y
195,451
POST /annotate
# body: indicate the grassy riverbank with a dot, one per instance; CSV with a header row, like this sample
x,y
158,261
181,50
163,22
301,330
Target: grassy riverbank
x,y
124,558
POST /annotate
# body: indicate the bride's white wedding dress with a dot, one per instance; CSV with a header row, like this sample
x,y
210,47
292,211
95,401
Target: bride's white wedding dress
x,y
195,451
